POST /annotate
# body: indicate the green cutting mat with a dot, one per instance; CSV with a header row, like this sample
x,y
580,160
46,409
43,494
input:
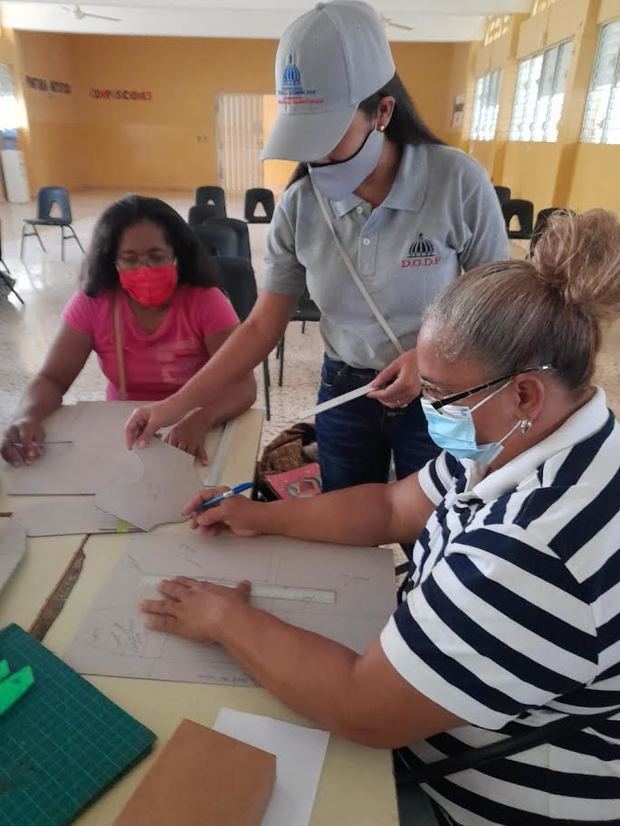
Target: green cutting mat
x,y
62,743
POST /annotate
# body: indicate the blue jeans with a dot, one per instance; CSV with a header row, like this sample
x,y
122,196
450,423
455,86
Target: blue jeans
x,y
356,440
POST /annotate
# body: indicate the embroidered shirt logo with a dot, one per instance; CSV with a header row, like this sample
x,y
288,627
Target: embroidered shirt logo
x,y
292,91
421,254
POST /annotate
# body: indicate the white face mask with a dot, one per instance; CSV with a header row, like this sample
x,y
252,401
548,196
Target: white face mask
x,y
338,179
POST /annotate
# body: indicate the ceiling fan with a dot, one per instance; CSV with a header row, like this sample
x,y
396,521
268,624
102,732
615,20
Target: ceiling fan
x,y
387,21
77,12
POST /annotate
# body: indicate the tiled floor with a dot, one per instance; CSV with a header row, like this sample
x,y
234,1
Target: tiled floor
x,y
45,284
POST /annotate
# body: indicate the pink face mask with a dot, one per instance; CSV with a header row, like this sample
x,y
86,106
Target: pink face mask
x,y
150,286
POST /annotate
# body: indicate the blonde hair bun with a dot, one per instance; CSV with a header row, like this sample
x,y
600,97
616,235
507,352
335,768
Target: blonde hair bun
x,y
579,257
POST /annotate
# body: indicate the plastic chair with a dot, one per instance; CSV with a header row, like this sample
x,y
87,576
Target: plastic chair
x,y
199,215
202,214
212,196
47,197
5,273
254,197
503,194
237,278
218,239
306,310
541,223
524,212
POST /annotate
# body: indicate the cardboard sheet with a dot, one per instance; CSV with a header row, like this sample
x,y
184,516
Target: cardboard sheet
x,y
168,481
203,778
66,516
344,593
300,755
12,547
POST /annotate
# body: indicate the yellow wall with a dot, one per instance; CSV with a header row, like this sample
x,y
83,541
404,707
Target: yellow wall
x,y
169,142
50,142
565,173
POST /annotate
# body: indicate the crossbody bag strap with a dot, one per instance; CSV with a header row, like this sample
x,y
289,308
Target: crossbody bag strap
x,y
118,340
475,758
354,274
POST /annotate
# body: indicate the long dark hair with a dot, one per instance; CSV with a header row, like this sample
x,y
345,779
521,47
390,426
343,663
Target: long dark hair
x,y
405,126
99,271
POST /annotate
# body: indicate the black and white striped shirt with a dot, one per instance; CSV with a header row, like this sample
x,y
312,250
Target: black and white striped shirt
x,y
511,619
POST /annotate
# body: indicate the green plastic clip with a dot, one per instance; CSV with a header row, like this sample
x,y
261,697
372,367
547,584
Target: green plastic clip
x,y
13,686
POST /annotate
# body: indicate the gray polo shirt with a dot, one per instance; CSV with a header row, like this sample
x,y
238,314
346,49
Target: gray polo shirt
x,y
441,217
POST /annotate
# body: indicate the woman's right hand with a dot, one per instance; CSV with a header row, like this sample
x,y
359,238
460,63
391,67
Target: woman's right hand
x,y
22,441
147,420
238,513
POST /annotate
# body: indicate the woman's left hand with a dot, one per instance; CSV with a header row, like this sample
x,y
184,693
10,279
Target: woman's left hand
x,y
192,609
400,381
189,435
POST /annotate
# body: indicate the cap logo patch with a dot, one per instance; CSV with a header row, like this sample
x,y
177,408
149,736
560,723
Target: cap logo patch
x,y
292,92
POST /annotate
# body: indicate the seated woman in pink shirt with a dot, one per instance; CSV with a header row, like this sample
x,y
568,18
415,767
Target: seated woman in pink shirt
x,y
150,308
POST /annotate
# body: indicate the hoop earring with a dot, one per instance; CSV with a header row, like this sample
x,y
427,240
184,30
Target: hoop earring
x,y
525,426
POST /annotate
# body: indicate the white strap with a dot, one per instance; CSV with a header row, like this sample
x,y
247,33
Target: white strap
x,y
118,337
309,412
354,275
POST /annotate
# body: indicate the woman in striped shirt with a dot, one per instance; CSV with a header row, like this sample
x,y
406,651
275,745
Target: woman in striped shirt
x,y
510,616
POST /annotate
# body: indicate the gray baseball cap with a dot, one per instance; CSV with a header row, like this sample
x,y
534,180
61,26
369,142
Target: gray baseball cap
x,y
329,60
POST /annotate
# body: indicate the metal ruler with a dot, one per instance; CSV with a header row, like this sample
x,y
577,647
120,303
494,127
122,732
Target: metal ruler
x,y
292,593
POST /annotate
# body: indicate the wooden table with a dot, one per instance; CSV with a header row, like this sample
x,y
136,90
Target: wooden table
x,y
356,785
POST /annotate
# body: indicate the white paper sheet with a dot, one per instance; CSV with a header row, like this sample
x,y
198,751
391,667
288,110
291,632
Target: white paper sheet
x,y
300,753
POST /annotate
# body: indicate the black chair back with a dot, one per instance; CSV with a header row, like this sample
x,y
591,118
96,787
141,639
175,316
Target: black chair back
x,y
254,197
212,196
199,215
523,211
218,239
226,236
47,197
503,194
237,278
306,309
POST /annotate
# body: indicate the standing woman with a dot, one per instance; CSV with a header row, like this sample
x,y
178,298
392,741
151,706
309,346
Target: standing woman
x,y
379,219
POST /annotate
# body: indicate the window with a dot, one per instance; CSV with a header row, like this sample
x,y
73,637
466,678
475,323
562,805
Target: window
x,y
8,105
540,94
601,122
486,107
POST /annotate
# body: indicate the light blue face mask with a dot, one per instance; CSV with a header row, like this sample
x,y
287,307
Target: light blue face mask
x,y
454,430
338,179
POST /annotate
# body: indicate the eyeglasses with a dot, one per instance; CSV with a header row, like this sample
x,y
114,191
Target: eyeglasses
x,y
151,259
437,404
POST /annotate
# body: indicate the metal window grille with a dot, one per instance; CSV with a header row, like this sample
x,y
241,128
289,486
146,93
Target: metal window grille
x,y
486,106
539,95
601,122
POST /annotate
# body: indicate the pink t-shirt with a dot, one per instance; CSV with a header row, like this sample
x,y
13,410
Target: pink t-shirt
x,y
156,364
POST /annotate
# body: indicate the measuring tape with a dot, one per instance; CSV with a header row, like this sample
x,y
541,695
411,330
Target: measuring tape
x,y
265,591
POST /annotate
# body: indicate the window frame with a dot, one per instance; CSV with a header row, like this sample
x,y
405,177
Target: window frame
x,y
536,95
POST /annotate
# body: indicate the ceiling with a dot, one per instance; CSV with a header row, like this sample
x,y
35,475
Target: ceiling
x,y
439,20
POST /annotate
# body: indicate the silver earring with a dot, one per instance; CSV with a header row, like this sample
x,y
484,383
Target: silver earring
x,y
382,129
525,425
